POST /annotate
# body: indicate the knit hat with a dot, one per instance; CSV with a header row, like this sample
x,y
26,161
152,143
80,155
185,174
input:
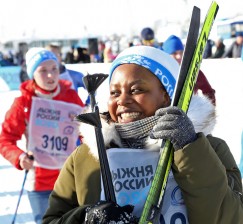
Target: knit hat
x,y
161,64
173,44
35,56
147,33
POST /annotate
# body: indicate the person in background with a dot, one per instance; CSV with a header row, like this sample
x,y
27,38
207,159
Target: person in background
x,y
69,58
204,184
241,159
174,46
82,55
108,54
220,48
235,48
242,54
44,115
5,60
208,49
101,47
23,73
148,37
75,77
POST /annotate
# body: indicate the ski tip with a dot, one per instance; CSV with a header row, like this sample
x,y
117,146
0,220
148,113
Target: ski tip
x,y
196,8
215,6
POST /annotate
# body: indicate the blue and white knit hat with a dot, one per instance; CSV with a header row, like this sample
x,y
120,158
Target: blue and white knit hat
x,y
155,60
35,56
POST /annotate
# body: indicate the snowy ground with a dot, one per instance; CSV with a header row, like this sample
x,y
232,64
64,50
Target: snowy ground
x,y
226,77
11,180
11,183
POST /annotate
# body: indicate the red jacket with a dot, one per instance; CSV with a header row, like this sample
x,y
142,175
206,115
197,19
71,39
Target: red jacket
x,y
15,125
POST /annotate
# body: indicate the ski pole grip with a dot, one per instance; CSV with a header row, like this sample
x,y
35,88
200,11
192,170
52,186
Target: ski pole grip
x,y
31,157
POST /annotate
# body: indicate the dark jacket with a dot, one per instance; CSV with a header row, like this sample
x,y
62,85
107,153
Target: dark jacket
x,y
234,51
205,171
219,51
79,184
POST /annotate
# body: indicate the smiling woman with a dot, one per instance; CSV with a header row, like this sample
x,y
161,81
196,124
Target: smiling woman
x,y
138,118
135,90
228,127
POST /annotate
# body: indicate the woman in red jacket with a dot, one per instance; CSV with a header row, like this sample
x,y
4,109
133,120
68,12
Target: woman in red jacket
x,y
44,114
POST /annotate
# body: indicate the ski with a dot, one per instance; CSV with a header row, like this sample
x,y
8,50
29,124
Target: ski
x,y
181,98
152,205
190,46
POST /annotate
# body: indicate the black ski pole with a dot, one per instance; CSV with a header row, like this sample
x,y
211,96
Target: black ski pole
x,y
21,191
92,82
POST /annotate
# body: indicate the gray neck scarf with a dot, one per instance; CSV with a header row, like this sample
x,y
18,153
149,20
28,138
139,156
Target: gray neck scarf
x,y
134,134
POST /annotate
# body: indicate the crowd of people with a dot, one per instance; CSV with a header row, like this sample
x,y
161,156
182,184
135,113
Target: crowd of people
x,y
64,181
106,52
214,48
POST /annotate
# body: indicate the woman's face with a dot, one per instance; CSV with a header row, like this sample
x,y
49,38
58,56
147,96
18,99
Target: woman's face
x,y
46,75
135,93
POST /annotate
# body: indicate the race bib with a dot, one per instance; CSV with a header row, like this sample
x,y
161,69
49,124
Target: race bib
x,y
52,131
132,173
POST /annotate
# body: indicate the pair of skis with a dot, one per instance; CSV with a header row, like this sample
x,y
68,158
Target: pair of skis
x,y
187,78
189,69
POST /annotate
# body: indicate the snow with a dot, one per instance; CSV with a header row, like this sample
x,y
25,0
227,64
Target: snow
x,y
11,179
11,184
225,76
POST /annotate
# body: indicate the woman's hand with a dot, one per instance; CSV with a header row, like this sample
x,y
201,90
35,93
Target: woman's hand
x,y
108,212
174,125
26,161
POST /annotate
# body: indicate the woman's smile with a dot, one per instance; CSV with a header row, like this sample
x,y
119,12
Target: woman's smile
x,y
129,117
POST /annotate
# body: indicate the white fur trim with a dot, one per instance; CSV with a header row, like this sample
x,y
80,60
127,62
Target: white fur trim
x,y
202,114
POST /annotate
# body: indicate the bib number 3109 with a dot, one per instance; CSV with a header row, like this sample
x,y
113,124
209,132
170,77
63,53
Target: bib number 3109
x,y
55,142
